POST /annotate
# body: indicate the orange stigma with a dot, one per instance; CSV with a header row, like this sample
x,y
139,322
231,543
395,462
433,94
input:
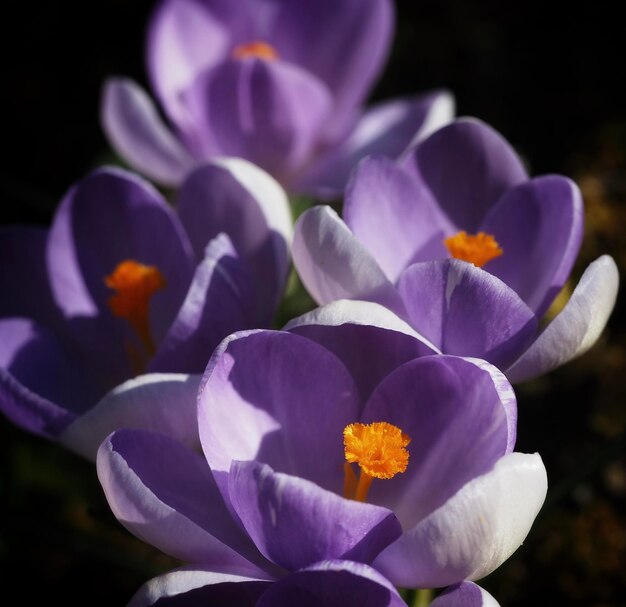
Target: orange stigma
x,y
135,283
478,249
258,49
380,451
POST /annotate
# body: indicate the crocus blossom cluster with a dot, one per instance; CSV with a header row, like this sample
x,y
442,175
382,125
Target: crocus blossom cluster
x,y
457,239
280,83
305,472
122,285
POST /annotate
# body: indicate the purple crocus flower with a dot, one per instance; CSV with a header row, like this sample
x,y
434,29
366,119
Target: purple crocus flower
x,y
458,240
304,467
121,285
279,83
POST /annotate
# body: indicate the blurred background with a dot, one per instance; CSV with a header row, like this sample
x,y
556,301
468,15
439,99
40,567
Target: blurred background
x,y
552,84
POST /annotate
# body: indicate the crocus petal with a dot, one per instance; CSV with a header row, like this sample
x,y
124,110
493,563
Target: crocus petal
x,y
348,328
464,310
189,586
110,216
333,264
234,196
475,531
165,494
453,410
387,129
539,226
139,135
269,112
295,523
280,399
467,166
333,584
577,327
161,402
219,302
394,216
465,594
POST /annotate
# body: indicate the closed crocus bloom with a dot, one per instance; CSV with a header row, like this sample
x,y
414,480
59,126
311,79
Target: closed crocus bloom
x,y
279,83
123,287
413,478
459,241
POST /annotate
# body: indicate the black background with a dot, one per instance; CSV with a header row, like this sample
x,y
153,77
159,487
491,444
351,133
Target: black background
x,y
551,82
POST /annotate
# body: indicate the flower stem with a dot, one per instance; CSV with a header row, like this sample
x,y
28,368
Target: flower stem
x,y
423,597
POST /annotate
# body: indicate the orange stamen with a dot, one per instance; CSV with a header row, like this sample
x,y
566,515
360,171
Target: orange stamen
x,y
477,249
258,49
135,284
380,451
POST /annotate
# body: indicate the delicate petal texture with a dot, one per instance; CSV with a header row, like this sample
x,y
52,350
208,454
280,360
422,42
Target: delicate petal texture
x,y
465,594
333,584
234,196
295,523
165,494
288,412
474,531
108,217
387,129
139,135
196,586
269,112
452,410
216,305
466,311
539,226
333,264
161,402
349,328
467,166
394,216
577,327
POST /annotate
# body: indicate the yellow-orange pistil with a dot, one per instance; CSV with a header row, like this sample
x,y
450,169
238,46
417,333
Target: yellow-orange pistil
x,y
135,283
477,249
258,49
380,451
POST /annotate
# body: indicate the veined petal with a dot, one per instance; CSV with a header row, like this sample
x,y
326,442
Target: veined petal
x,y
135,130
333,264
465,594
475,531
577,327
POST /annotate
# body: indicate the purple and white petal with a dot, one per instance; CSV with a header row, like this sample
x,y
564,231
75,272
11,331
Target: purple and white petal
x,y
165,494
280,399
350,327
539,226
159,402
466,311
577,327
475,531
295,523
394,216
465,594
467,166
333,264
189,586
138,134
453,410
333,584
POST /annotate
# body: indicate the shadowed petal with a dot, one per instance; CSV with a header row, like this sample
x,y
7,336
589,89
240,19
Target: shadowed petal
x,y
296,523
577,327
465,594
475,531
333,264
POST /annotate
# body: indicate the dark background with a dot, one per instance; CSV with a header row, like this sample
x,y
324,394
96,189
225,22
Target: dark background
x,y
552,84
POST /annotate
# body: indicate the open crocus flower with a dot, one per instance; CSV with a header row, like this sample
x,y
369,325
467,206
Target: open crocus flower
x,y
415,477
280,83
122,286
459,241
